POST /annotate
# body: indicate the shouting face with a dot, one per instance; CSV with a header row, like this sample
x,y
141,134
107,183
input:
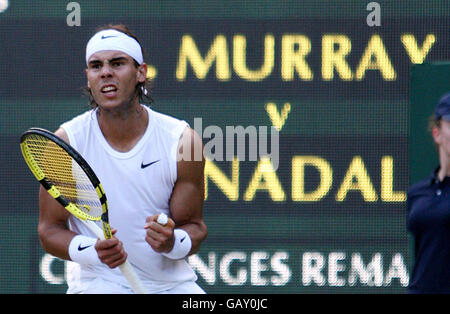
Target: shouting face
x,y
112,78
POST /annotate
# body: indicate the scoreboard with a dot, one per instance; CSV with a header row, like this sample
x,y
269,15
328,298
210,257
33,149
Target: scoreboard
x,y
302,107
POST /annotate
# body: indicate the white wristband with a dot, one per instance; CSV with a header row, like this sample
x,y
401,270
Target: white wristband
x,y
182,245
82,250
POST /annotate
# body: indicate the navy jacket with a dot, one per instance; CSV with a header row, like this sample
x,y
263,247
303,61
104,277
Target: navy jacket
x,y
428,220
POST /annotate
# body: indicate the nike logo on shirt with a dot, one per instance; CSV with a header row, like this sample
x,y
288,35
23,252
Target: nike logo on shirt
x,y
104,37
149,164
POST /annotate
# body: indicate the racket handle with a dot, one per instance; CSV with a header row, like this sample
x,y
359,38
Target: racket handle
x,y
135,283
126,268
94,228
162,219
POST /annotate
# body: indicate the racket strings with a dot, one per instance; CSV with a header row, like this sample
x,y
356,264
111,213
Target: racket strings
x,y
64,172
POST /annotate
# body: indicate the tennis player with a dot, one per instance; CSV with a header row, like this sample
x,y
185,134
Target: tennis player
x,y
428,209
135,152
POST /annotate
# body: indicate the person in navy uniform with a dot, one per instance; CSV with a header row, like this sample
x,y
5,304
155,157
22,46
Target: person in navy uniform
x,y
428,213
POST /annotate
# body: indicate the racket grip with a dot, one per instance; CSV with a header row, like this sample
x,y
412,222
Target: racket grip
x,y
162,219
126,268
129,273
94,228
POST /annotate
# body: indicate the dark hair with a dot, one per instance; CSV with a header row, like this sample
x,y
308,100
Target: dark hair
x,y
433,122
143,90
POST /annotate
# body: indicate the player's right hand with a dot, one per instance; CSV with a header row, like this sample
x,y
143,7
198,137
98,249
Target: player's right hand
x,y
111,251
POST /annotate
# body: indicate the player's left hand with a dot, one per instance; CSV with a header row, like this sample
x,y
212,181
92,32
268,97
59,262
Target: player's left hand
x,y
159,237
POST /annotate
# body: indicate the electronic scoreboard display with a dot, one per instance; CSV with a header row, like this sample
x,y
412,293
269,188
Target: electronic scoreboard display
x,y
303,110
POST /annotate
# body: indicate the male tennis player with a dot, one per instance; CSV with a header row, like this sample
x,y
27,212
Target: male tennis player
x,y
135,153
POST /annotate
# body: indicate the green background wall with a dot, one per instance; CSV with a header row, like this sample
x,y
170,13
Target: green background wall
x,y
271,241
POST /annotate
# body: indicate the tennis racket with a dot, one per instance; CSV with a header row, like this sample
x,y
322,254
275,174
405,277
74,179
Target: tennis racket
x,y
69,179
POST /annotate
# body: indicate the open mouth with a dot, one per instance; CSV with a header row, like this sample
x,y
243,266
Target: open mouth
x,y
109,89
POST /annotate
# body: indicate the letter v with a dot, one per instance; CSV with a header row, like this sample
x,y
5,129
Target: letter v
x,y
278,120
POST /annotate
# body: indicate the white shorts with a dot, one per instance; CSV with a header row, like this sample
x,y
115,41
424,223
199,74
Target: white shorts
x,y
101,286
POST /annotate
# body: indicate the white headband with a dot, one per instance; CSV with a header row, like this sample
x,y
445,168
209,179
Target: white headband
x,y
111,39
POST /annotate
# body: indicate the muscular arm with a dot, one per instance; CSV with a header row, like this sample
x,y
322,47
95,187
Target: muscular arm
x,y
186,203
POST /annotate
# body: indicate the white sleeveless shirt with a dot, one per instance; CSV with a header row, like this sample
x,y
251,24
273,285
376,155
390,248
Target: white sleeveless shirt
x,y
137,184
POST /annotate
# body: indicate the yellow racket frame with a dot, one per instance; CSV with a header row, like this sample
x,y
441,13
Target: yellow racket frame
x,y
53,190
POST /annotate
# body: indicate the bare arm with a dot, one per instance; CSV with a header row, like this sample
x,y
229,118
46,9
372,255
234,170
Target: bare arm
x,y
186,203
55,235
